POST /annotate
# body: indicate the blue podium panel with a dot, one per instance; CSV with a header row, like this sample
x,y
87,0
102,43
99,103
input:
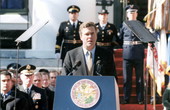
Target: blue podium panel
x,y
106,84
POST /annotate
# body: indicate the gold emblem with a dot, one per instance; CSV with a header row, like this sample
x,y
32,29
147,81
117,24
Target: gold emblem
x,y
36,106
85,93
110,32
67,29
28,67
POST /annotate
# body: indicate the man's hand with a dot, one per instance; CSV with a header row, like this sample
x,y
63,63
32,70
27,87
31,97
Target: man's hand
x,y
57,49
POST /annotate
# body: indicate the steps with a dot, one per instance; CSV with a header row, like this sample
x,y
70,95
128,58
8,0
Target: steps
x,y
133,101
118,62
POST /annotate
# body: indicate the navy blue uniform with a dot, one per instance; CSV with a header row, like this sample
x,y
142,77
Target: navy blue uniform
x,y
107,37
133,55
68,37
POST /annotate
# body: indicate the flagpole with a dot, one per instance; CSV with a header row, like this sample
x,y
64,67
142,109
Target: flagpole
x,y
154,85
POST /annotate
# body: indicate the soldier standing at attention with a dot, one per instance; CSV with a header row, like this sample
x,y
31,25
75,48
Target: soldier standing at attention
x,y
107,32
68,35
133,57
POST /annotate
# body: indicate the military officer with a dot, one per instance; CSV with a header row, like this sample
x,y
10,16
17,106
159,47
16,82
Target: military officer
x,y
107,32
38,95
133,57
68,36
13,68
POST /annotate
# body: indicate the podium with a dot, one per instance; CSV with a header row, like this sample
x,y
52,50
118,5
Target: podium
x,y
108,99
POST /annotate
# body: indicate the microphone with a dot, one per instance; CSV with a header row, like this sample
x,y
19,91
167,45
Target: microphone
x,y
98,67
77,64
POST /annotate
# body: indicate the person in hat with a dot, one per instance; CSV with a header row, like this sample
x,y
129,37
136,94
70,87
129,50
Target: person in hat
x,y
107,32
13,68
133,57
9,93
38,95
68,36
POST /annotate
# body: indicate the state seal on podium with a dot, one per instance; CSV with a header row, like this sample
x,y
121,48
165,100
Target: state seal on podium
x,y
85,93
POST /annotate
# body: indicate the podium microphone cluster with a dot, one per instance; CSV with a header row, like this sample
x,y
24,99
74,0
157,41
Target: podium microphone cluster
x,y
77,64
98,67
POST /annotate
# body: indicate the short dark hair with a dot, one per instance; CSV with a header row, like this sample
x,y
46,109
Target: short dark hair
x,y
6,73
45,73
85,25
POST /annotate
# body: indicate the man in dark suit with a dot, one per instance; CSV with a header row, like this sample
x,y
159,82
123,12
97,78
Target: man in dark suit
x,y
39,79
68,36
11,97
107,32
89,59
38,95
133,57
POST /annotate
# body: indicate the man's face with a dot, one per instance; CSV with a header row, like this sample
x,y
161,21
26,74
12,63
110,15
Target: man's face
x,y
17,79
88,37
73,16
103,18
6,83
45,81
27,79
53,79
132,15
37,81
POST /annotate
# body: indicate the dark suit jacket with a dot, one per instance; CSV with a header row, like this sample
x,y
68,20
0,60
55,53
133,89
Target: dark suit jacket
x,y
39,104
105,57
50,98
21,101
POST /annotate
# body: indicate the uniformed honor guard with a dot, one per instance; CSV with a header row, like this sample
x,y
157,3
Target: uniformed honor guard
x,y
107,32
68,35
38,95
133,57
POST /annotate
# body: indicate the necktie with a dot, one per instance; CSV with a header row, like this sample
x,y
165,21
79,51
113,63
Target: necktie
x,y
27,90
89,63
103,27
4,96
74,26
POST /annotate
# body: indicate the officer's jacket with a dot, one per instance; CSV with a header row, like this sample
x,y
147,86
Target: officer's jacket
x,y
67,32
131,51
108,34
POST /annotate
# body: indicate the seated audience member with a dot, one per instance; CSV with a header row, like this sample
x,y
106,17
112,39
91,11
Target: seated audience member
x,y
12,68
37,94
53,75
38,81
9,93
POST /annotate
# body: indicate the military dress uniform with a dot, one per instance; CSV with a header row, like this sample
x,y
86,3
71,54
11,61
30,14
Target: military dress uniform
x,y
38,95
133,57
107,35
68,35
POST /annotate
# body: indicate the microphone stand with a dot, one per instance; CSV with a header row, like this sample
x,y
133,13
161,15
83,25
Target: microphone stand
x,y
16,82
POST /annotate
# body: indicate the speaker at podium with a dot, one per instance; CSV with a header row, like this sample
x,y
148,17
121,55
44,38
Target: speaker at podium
x,y
86,93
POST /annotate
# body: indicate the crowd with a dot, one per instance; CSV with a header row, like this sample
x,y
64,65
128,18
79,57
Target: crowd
x,y
86,49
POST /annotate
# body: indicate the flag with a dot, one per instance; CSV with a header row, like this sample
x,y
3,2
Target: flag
x,y
153,66
158,16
